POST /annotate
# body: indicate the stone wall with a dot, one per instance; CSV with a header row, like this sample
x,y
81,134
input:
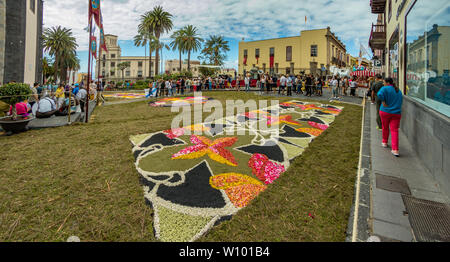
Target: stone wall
x,y
429,134
2,37
15,40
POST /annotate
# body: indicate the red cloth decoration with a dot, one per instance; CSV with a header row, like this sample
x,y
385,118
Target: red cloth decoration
x,y
272,60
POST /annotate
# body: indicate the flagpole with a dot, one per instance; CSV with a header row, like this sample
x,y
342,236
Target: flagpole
x,y
89,70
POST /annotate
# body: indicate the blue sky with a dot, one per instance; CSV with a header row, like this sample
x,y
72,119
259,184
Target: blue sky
x,y
350,20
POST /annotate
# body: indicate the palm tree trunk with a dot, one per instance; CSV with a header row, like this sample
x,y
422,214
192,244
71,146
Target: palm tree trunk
x,y
157,62
180,62
189,61
151,64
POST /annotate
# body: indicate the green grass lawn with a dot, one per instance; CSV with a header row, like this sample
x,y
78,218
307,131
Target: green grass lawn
x,y
81,180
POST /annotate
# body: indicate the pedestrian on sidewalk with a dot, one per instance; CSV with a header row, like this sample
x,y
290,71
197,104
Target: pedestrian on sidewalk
x,y
333,84
377,85
390,113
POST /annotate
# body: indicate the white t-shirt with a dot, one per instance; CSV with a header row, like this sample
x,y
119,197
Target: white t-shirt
x,y
283,81
82,94
247,80
46,105
289,81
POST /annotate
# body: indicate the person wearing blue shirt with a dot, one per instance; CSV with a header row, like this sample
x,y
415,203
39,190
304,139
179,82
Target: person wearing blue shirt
x,y
390,113
76,89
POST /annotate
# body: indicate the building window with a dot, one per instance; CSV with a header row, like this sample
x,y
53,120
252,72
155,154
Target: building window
x,y
245,52
103,64
104,57
314,50
113,73
103,73
139,73
332,48
257,52
127,73
113,64
292,68
276,68
33,5
264,68
140,64
113,55
288,53
288,71
272,51
427,70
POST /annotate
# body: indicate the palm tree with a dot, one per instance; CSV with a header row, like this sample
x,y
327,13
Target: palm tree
x,y
177,43
144,37
122,66
71,62
141,40
159,22
214,50
47,69
60,44
191,42
159,45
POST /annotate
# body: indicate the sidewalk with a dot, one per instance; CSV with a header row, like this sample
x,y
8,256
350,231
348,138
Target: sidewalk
x,y
394,183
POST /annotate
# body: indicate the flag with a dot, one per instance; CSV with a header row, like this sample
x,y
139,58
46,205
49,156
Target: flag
x,y
102,40
102,34
94,46
272,60
94,11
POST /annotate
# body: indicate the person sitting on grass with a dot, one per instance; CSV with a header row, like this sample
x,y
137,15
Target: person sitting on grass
x,y
45,108
64,109
23,109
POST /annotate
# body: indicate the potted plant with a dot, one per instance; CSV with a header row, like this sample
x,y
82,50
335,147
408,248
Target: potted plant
x,y
12,94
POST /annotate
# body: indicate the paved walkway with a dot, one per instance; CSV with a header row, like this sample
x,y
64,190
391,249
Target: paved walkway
x,y
384,179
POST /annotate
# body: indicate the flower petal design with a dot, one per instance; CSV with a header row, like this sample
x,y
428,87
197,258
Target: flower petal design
x,y
240,189
266,170
215,150
318,126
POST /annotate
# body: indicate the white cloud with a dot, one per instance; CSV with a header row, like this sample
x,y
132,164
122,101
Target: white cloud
x,y
350,20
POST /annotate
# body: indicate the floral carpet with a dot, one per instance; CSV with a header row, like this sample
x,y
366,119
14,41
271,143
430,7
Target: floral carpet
x,y
194,182
125,95
180,101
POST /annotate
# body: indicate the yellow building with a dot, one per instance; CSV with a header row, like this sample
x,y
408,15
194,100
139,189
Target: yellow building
x,y
310,52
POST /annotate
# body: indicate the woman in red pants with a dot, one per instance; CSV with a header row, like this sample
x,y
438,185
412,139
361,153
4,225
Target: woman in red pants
x,y
390,113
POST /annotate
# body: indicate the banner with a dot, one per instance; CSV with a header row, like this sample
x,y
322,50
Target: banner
x,y
94,46
272,60
245,60
94,10
257,59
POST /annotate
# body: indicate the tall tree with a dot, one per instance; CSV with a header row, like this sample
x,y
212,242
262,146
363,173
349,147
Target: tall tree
x,y
191,42
215,50
144,37
122,66
159,45
177,43
61,45
160,22
141,40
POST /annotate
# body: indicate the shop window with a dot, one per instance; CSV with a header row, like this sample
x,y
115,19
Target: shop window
x,y
427,69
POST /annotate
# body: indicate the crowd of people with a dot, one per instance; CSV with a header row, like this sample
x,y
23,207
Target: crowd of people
x,y
306,84
49,100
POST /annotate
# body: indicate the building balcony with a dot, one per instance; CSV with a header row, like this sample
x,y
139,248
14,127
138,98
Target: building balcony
x,y
377,40
378,6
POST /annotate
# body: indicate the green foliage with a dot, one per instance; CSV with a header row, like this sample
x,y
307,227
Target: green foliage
x,y
14,93
214,51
